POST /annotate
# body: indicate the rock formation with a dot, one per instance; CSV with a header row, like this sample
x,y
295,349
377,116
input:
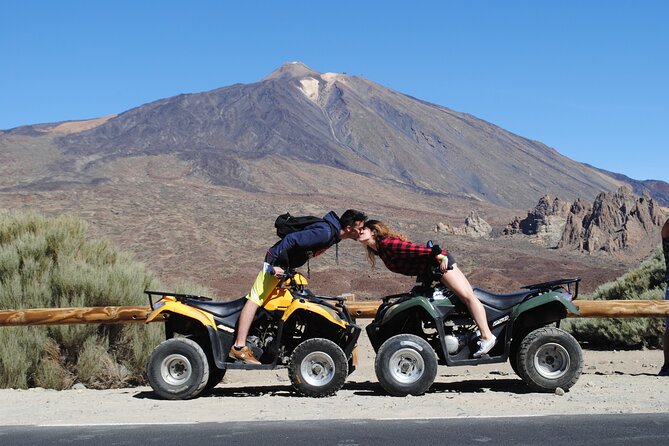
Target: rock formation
x,y
546,221
474,226
615,222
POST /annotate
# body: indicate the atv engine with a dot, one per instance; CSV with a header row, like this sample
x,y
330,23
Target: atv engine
x,y
261,337
457,336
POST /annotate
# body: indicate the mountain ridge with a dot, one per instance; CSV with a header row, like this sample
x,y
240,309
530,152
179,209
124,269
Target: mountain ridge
x,y
342,122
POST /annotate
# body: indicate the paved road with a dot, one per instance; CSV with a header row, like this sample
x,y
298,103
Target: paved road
x,y
637,429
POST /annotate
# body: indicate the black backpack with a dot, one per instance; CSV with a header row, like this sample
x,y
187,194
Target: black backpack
x,y
287,224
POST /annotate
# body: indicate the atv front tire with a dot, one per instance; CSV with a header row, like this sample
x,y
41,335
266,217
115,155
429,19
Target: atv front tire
x,y
178,369
549,358
318,367
406,365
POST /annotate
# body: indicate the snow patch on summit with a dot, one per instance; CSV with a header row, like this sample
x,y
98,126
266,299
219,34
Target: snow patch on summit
x,y
309,87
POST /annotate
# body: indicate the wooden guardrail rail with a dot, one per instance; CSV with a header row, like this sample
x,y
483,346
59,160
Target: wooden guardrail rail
x,y
82,315
587,308
362,310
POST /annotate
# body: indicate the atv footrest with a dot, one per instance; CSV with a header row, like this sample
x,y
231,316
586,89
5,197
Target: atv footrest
x,y
242,366
485,359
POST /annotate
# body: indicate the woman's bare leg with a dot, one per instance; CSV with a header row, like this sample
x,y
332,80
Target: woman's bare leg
x,y
458,283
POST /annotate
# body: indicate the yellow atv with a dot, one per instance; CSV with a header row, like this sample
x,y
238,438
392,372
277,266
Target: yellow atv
x,y
314,336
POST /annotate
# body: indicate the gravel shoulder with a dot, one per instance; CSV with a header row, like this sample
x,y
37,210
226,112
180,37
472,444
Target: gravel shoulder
x,y
612,382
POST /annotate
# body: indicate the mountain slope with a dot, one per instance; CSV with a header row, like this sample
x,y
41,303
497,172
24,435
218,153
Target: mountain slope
x,y
340,122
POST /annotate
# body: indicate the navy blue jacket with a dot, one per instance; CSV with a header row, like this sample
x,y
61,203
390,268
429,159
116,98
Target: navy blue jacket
x,y
295,249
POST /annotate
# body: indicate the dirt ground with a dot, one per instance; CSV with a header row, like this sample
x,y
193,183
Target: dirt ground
x,y
612,382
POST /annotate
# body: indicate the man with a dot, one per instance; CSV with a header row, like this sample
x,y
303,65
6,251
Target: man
x,y
664,371
293,251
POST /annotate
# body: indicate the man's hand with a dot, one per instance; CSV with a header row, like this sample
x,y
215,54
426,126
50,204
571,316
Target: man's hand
x,y
278,271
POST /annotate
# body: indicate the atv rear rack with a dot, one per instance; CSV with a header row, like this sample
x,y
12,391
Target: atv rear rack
x,y
556,283
178,296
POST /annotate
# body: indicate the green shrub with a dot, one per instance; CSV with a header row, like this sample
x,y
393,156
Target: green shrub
x,y
643,283
20,351
52,263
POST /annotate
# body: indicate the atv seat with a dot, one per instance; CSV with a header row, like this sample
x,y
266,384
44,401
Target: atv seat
x,y
501,301
220,309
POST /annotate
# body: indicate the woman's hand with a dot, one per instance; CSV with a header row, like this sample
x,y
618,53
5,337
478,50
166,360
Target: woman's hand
x,y
443,266
278,271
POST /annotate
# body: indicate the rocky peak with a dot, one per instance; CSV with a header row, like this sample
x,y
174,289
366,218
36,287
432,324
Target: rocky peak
x,y
541,218
616,221
292,69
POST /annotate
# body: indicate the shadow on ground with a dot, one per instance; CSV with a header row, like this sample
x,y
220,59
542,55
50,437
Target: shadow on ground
x,y
465,386
366,389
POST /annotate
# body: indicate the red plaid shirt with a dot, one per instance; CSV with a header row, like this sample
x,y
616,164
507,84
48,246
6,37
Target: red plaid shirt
x,y
404,257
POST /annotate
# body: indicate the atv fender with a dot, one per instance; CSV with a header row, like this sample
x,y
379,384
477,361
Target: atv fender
x,y
389,320
325,312
175,307
542,310
415,304
543,300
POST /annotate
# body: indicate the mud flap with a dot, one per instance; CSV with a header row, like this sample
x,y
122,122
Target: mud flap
x,y
353,361
221,343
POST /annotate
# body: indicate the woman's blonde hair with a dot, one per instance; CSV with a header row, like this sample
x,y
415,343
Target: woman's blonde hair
x,y
380,230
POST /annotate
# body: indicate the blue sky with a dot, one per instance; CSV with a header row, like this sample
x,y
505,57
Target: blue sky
x,y
588,78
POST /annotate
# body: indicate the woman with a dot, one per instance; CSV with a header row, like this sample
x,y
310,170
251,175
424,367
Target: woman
x,y
403,257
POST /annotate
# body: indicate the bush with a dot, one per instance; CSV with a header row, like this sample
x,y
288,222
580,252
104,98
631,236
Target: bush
x,y
20,351
51,263
98,368
643,283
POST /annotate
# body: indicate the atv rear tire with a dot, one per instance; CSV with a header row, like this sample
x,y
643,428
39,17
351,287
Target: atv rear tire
x,y
318,367
178,369
406,365
549,358
215,377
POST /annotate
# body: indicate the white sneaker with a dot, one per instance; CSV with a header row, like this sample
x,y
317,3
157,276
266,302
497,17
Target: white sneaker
x,y
485,346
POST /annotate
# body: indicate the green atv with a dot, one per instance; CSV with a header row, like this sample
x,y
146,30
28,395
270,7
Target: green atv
x,y
414,332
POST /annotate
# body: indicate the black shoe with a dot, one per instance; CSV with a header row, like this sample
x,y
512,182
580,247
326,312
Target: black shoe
x,y
664,371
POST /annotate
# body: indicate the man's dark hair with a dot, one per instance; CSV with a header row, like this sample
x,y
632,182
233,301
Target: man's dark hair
x,y
349,218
